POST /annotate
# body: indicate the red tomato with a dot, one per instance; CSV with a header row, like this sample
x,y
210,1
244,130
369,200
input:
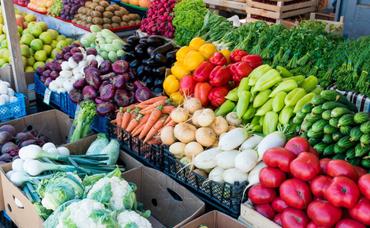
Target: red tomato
x,y
319,185
279,205
295,193
294,218
297,145
341,168
277,219
278,158
364,185
349,223
313,151
361,211
271,177
323,213
261,195
360,171
305,167
265,210
324,165
342,192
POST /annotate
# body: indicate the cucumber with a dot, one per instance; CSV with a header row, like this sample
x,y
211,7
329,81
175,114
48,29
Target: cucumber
x,y
329,95
338,112
307,108
328,129
345,130
350,153
339,157
365,163
365,139
326,115
329,150
320,147
313,134
319,125
306,125
329,105
365,127
355,161
338,149
355,134
343,100
361,117
346,120
333,122
312,117
336,136
317,110
360,150
317,100
304,135
326,139
297,120
345,142
301,114
314,141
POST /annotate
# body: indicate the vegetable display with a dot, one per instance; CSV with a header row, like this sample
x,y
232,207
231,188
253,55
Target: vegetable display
x,y
70,8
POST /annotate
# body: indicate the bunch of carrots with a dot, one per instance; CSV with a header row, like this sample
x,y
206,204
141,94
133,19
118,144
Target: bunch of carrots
x,y
146,119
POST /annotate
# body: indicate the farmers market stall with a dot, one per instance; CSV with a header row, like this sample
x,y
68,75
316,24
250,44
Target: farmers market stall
x,y
241,123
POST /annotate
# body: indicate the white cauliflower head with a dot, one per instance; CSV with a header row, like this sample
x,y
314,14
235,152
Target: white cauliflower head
x,y
132,219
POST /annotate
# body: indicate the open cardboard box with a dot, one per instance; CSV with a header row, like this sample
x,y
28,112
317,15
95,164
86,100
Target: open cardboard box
x,y
254,219
214,219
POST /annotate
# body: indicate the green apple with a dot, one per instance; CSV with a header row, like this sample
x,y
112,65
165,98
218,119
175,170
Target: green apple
x,y
61,44
26,31
42,25
35,30
69,40
30,18
25,50
36,44
54,43
61,37
4,53
27,38
24,60
20,29
54,52
30,61
46,38
49,60
40,55
37,65
29,69
48,49
4,44
53,33
3,62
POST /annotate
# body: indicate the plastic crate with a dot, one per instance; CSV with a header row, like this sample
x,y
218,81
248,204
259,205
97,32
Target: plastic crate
x,y
100,124
55,98
5,221
13,110
70,106
224,197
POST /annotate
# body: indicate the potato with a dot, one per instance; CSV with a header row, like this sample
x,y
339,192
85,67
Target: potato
x,y
107,26
123,23
108,14
110,8
97,21
104,4
116,19
88,4
107,20
118,13
131,23
81,9
93,5
99,9
115,25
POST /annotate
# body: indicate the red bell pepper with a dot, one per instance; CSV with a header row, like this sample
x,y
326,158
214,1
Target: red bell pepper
x,y
253,60
201,74
240,70
217,96
237,55
220,76
187,85
218,59
201,92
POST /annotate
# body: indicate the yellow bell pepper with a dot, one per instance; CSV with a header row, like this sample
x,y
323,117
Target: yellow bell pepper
x,y
179,70
171,84
196,43
181,53
227,54
177,98
192,60
207,50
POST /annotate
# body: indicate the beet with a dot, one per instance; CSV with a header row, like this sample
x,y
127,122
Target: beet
x,y
9,128
89,93
75,95
105,67
5,157
79,84
94,63
91,51
78,57
122,97
27,142
5,137
98,100
92,77
75,50
118,81
120,66
7,147
54,74
106,92
105,108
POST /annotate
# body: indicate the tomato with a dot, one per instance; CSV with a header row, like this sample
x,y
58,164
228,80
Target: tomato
x,y
265,210
279,205
297,145
342,192
277,219
187,85
271,177
261,195
294,218
305,167
361,211
278,158
349,223
324,165
360,171
341,168
313,225
313,151
319,185
296,193
364,185
323,213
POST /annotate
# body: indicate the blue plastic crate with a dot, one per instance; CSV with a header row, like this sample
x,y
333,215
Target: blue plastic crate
x,y
68,106
13,110
100,124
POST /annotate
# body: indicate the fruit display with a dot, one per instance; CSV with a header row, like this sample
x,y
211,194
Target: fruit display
x,y
41,6
141,3
297,189
105,15
56,8
149,56
332,124
70,8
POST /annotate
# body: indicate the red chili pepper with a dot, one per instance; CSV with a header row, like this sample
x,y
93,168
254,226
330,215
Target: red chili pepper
x,y
187,85
218,59
253,60
217,96
240,70
201,74
201,92
237,55
220,76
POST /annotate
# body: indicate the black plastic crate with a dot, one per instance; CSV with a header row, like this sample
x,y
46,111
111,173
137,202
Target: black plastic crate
x,y
224,197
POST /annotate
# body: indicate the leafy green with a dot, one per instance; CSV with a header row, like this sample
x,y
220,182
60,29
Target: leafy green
x,y
98,145
83,120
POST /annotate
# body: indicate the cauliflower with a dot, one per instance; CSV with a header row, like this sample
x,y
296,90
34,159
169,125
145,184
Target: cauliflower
x,y
132,219
114,192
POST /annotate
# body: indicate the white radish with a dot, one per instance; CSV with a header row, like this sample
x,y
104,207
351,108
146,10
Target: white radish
x,y
246,160
184,132
226,159
275,139
253,176
251,143
234,175
194,118
192,104
232,139
206,159
216,175
167,136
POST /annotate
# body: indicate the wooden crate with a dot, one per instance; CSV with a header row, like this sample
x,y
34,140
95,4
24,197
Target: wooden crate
x,y
253,219
279,9
332,26
237,6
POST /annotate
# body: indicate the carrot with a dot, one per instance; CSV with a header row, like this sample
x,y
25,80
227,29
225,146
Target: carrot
x,y
155,129
154,116
119,117
154,105
168,109
153,100
133,123
143,120
125,120
137,130
130,107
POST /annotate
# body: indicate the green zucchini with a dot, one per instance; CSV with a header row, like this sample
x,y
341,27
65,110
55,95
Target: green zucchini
x,y
355,134
307,108
317,100
317,110
338,149
360,150
345,142
329,105
328,129
326,115
329,95
365,127
365,139
320,147
336,136
326,139
313,134
333,122
345,130
346,120
319,125
338,112
365,163
329,150
361,117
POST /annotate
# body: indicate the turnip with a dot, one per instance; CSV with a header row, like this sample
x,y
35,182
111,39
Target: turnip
x,y
206,159
251,142
232,119
219,125
226,159
246,160
194,119
184,132
233,139
167,135
205,136
206,117
234,175
192,149
216,175
192,104
177,149
179,115
275,139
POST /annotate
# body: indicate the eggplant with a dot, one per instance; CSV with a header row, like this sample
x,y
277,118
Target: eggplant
x,y
158,90
143,40
148,80
171,56
140,50
163,49
158,82
150,62
128,48
160,58
128,57
150,49
133,40
140,71
160,71
156,40
135,63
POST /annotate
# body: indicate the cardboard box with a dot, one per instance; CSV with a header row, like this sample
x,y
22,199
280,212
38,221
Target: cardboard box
x,y
254,219
215,219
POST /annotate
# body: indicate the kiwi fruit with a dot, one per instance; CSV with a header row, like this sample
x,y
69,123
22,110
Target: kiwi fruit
x,y
107,26
116,19
110,8
115,25
108,14
123,23
96,14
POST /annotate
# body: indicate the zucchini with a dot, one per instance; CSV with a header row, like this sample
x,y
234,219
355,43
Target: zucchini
x,y
314,141
338,149
333,122
317,110
336,136
345,130
365,139
318,100
320,147
345,142
307,108
329,105
328,129
361,117
365,163
361,151
339,157
346,120
319,125
326,115
326,139
338,112
365,127
329,150
350,153
355,134
329,95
